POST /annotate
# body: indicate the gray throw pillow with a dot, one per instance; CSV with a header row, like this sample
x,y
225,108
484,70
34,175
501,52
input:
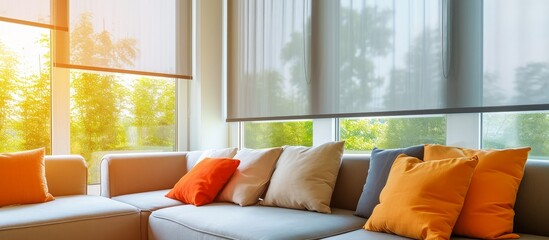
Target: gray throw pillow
x,y
381,162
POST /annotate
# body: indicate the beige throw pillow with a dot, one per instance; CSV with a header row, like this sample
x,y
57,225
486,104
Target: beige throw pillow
x,y
251,177
305,177
218,153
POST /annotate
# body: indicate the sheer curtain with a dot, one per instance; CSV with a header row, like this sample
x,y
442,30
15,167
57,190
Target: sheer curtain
x,y
295,59
134,36
268,58
138,37
516,52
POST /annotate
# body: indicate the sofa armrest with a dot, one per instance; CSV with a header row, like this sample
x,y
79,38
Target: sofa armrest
x,y
66,175
141,172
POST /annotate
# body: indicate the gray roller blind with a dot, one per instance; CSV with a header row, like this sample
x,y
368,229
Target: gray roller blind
x,y
325,58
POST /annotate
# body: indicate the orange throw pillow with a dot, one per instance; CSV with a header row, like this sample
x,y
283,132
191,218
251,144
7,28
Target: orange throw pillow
x,y
422,200
488,209
23,178
203,182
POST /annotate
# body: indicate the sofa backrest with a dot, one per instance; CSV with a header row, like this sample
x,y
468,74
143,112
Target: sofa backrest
x,y
350,181
127,173
66,175
532,205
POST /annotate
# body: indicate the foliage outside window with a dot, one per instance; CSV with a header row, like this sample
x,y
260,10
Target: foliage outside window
x,y
506,130
25,106
109,112
363,134
276,134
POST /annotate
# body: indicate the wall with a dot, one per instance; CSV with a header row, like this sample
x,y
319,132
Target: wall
x,y
206,121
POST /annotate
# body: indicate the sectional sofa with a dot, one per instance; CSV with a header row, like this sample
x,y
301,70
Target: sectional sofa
x,y
73,214
133,205
142,180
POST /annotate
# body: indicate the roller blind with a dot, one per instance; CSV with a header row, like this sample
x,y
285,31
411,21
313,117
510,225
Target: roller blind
x,y
135,36
309,59
383,58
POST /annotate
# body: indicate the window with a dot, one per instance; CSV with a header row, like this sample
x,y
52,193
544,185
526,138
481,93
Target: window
x,y
277,134
120,113
119,79
363,134
25,106
507,130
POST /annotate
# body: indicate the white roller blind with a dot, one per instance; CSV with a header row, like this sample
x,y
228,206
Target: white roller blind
x,y
147,37
124,36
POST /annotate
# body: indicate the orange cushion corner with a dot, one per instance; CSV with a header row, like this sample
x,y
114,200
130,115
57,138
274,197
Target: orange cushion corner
x,y
23,178
203,182
422,200
488,210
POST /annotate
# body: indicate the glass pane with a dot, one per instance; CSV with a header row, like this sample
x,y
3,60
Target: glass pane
x,y
507,130
363,134
25,95
113,113
277,134
516,43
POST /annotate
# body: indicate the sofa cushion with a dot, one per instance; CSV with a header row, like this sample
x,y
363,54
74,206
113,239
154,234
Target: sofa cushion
x,y
23,178
488,208
251,177
380,166
422,200
218,153
305,177
363,234
149,201
63,209
229,221
203,182
79,217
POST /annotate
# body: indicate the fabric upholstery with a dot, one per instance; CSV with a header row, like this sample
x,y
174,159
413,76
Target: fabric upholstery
x,y
364,234
380,166
251,177
23,178
305,177
218,153
532,205
147,202
350,179
60,168
132,172
488,210
203,182
70,217
251,222
422,200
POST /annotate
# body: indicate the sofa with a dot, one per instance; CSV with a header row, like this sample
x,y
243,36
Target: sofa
x,y
142,180
73,214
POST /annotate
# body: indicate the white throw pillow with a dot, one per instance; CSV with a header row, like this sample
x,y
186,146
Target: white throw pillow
x,y
218,153
252,176
305,177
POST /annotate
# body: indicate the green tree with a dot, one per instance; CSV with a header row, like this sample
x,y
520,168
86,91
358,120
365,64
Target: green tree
x,y
8,76
34,125
97,99
276,134
366,36
533,128
362,134
153,109
425,81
